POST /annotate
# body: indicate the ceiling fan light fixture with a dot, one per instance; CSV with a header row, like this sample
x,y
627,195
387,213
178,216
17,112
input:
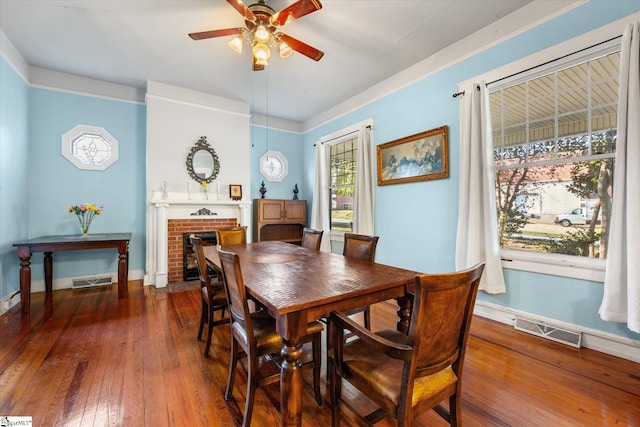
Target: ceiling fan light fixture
x,y
236,44
285,50
262,53
261,34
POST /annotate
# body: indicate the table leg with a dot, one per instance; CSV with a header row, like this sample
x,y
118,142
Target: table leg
x,y
291,385
25,279
123,270
48,273
404,313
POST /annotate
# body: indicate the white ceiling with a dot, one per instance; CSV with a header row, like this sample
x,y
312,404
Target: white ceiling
x,y
132,41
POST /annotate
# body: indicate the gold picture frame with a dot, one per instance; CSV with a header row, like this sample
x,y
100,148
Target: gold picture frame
x,y
235,191
420,157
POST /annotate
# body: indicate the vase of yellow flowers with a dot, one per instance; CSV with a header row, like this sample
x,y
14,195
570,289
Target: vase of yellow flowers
x,y
85,213
205,190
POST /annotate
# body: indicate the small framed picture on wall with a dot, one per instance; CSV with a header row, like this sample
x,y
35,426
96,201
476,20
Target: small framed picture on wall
x,y
235,192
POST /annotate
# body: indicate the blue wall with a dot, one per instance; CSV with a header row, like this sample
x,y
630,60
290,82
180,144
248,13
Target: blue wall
x,y
290,145
417,221
14,173
56,183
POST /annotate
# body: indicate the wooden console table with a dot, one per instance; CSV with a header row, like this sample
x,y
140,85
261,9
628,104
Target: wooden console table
x,y
49,244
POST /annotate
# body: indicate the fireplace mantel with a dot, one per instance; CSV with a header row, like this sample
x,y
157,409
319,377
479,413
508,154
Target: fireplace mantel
x,y
170,205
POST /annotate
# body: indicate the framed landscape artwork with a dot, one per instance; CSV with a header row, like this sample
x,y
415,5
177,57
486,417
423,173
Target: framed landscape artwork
x,y
418,157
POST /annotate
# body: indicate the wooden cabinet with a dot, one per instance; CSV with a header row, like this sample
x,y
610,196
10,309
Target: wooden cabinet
x,y
282,220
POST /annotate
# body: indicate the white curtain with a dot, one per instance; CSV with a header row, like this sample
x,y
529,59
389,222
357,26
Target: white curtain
x,y
320,209
621,301
363,200
477,235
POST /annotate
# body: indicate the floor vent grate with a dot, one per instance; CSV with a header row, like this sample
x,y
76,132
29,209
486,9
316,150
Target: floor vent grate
x,y
553,333
91,281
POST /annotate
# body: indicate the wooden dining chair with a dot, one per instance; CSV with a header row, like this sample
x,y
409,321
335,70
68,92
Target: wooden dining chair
x,y
406,375
213,295
255,332
311,239
236,235
363,247
360,246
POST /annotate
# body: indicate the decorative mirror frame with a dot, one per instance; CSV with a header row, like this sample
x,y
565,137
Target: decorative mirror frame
x,y
202,144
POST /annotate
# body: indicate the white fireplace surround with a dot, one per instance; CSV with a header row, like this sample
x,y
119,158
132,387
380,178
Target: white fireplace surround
x,y
165,206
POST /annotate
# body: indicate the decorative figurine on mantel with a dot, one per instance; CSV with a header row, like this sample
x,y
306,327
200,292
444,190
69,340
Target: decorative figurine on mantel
x,y
165,191
295,192
262,190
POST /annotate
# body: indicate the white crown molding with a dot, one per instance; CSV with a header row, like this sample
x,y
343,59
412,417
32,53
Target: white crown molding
x,y
275,123
591,38
13,58
505,28
70,83
63,82
180,95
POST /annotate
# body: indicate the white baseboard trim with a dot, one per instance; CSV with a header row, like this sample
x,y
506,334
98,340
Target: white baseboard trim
x,y
8,301
66,282
604,342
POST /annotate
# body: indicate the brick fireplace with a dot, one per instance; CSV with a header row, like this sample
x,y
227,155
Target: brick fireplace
x,y
175,230
172,214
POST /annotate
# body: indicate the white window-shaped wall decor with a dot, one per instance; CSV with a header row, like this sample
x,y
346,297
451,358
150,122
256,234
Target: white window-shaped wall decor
x,y
90,147
274,166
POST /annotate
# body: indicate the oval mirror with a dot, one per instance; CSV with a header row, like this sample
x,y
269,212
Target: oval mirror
x,y
202,162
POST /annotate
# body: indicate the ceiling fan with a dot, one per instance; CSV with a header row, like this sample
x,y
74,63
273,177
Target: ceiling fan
x,y
262,24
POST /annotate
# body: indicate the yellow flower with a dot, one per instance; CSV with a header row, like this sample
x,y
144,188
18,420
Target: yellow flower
x,y
204,190
85,213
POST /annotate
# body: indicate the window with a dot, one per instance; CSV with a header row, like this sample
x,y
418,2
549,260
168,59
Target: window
x,y
344,191
90,147
554,135
342,161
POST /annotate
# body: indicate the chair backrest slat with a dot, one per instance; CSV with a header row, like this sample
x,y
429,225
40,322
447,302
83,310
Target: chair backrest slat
x,y
443,306
231,235
311,238
236,291
360,246
201,262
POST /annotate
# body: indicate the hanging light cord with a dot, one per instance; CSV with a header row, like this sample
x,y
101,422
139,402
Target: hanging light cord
x,y
267,113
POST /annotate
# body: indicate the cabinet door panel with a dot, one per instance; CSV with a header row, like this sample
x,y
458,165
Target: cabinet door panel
x,y
271,211
295,211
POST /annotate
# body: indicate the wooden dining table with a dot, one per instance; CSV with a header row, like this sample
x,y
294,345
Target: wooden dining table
x,y
298,285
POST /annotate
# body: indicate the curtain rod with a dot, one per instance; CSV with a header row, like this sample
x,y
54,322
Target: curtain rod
x,y
457,94
342,136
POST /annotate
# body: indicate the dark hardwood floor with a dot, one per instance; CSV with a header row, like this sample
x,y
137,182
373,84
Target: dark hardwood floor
x,y
89,359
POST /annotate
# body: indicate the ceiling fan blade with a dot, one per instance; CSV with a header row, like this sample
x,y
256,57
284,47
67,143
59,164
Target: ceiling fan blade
x,y
216,33
294,11
256,66
303,48
243,9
